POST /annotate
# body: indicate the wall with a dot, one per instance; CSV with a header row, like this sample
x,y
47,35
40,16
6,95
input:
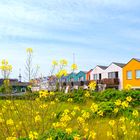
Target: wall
x,y
114,68
96,70
132,65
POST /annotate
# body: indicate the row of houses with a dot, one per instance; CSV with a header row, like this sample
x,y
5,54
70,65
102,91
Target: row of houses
x,y
116,75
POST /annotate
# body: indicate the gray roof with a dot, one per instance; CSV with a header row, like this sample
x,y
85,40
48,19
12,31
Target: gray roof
x,y
119,64
137,59
102,67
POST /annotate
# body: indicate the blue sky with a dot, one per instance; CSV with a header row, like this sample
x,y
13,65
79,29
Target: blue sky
x,y
97,31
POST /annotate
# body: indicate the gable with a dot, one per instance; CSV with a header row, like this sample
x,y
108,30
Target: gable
x,y
132,63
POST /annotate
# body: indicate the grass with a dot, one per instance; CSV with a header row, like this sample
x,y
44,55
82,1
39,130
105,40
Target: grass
x,y
39,116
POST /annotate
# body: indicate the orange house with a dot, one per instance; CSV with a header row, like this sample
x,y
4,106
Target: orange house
x,y
131,74
88,78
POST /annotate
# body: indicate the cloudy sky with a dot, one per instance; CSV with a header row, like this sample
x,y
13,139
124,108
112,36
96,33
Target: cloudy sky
x,y
97,31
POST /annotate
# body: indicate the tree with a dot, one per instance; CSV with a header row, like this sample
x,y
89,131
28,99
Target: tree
x,y
30,72
5,69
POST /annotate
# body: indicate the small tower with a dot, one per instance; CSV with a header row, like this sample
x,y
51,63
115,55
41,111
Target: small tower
x,y
19,80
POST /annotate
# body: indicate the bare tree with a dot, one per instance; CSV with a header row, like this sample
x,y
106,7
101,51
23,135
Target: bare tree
x,y
30,71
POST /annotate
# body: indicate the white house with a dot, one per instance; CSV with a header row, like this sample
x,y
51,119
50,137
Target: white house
x,y
112,75
97,72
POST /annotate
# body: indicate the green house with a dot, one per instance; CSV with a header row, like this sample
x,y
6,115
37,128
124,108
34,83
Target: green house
x,y
72,77
81,76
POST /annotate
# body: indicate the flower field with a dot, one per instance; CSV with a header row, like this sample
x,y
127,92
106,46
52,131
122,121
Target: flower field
x,y
80,115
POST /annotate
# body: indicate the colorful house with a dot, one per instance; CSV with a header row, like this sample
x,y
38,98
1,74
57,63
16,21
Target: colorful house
x,y
97,73
112,76
131,74
72,77
81,76
88,75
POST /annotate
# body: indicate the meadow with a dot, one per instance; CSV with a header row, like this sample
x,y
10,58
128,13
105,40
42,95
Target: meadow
x,y
79,115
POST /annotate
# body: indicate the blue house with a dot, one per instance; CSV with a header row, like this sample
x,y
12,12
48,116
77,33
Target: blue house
x,y
81,76
72,77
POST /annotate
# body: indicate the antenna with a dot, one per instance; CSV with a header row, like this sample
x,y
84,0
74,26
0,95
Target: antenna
x,y
20,75
73,58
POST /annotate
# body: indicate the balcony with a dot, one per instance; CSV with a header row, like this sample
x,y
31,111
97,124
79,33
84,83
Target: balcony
x,y
110,81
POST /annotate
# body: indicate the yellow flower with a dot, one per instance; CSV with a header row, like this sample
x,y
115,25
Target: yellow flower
x,y
11,138
94,107
112,123
85,115
61,73
81,120
86,130
128,87
100,113
10,122
66,111
77,137
92,135
43,94
87,94
68,131
38,118
74,67
54,63
33,135
116,110
52,93
70,100
29,50
132,123
1,120
63,62
92,85
125,104
49,138
118,102
52,102
43,106
123,127
109,134
135,113
73,113
77,108
129,98
122,119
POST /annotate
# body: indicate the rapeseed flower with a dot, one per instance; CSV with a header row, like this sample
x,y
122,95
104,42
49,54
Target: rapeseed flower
x,y
92,85
135,113
10,122
68,131
112,123
118,102
33,135
125,104
129,98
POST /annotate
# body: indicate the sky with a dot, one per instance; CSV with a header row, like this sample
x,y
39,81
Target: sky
x,y
98,32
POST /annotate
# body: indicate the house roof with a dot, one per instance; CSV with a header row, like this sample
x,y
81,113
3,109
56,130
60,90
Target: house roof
x,y
90,70
119,64
82,71
136,59
102,67
133,59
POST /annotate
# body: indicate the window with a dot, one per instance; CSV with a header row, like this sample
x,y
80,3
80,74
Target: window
x,y
113,75
129,75
137,74
95,76
89,77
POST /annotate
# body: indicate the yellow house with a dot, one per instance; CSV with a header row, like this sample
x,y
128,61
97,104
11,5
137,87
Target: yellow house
x,y
131,74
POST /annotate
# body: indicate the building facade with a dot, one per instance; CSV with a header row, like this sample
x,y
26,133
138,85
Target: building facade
x,y
131,74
